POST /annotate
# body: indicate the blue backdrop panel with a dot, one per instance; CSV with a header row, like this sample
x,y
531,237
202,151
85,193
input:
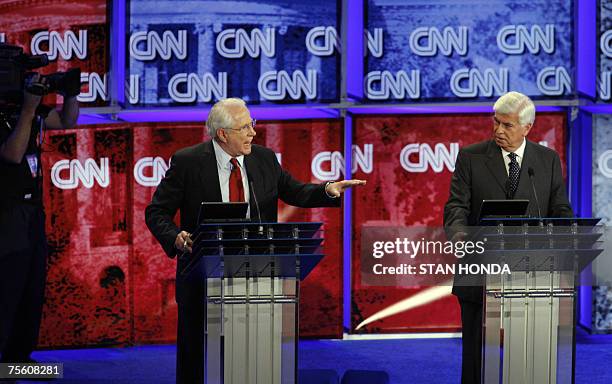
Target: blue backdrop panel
x,y
602,167
468,50
604,34
196,52
602,195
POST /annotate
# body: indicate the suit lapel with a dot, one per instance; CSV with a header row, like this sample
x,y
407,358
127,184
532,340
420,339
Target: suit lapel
x,y
256,187
496,166
209,176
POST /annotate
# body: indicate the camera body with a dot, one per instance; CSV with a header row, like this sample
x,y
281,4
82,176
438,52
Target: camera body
x,y
15,73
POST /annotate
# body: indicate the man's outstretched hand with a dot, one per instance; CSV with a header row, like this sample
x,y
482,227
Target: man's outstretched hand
x,y
337,188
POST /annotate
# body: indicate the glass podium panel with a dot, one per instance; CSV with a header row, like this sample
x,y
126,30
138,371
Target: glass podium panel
x,y
253,273
528,328
251,330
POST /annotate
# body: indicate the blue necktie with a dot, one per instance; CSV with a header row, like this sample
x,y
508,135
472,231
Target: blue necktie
x,y
513,174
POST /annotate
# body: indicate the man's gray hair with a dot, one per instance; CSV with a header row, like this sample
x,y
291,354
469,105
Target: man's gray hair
x,y
515,102
219,116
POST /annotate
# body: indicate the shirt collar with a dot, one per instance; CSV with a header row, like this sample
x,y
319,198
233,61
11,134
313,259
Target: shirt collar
x,y
223,158
519,152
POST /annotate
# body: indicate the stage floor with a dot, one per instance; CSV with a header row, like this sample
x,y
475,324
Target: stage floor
x,y
409,361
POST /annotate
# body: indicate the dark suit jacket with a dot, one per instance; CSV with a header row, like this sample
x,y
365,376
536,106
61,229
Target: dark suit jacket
x,y
193,178
480,174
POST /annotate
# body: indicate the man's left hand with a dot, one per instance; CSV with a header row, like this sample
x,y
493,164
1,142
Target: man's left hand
x,y
337,188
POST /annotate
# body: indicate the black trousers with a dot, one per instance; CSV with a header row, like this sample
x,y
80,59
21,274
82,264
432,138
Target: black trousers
x,y
190,345
191,296
471,362
23,258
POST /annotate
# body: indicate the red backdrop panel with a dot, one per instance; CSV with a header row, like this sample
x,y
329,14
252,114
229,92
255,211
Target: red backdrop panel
x,y
395,196
89,233
153,273
299,142
108,280
22,20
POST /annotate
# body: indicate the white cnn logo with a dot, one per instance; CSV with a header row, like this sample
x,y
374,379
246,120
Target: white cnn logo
x,y
554,81
329,166
202,89
427,41
65,46
381,85
437,159
514,39
148,45
604,85
605,43
66,174
322,41
294,85
255,44
97,87
157,166
374,42
131,89
604,164
471,82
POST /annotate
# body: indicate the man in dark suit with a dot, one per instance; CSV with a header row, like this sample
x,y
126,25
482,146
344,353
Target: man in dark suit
x,y
500,168
227,168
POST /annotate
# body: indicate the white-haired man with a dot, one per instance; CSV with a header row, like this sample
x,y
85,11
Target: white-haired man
x,y
225,168
500,169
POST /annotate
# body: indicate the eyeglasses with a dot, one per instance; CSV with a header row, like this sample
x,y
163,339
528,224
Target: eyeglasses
x,y
245,128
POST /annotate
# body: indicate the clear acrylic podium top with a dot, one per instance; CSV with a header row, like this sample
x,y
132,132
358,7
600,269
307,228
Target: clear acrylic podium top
x,y
241,249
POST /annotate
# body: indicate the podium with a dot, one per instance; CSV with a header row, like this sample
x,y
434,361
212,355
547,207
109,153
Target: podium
x,y
253,273
529,315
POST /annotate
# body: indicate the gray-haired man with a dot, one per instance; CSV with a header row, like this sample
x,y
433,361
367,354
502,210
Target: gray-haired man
x,y
500,169
225,168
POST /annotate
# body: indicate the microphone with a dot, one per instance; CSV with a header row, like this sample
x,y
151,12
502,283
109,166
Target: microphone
x,y
531,176
256,203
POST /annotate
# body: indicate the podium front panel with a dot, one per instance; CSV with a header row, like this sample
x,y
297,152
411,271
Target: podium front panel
x,y
251,338
253,273
528,328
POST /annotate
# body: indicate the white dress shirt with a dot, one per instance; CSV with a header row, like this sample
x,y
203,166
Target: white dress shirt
x,y
224,169
519,156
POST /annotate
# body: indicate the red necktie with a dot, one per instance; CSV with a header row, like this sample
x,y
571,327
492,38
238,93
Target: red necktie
x,y
236,189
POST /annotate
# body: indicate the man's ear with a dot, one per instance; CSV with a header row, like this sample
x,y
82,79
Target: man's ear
x,y
221,135
527,129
